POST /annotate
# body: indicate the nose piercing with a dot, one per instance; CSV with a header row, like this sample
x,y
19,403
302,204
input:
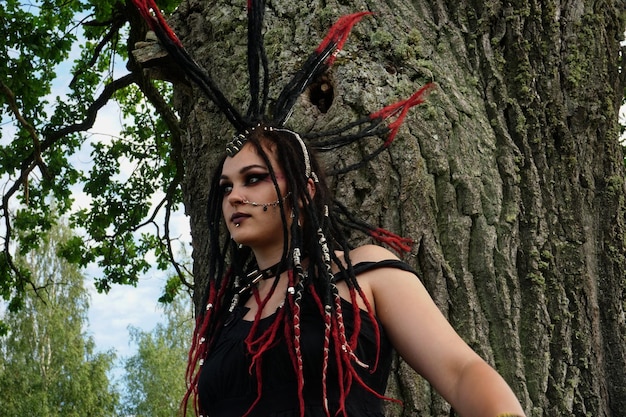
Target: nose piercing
x,y
266,205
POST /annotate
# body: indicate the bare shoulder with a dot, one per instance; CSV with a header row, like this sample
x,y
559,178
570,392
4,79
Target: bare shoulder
x,y
371,253
371,279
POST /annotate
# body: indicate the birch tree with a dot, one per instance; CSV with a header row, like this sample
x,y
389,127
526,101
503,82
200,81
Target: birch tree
x,y
49,366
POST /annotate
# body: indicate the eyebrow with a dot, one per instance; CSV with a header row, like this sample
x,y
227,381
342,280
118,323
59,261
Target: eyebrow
x,y
245,169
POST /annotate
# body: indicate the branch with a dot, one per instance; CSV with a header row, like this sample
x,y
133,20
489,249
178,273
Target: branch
x,y
159,65
164,110
7,241
31,161
116,25
36,161
170,118
36,155
92,111
176,265
16,111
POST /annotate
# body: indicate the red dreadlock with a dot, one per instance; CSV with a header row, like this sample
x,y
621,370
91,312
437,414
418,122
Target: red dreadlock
x,y
327,336
199,344
292,328
256,346
398,243
338,34
401,107
151,14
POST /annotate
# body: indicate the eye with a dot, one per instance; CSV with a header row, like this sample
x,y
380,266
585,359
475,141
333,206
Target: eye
x,y
256,178
225,188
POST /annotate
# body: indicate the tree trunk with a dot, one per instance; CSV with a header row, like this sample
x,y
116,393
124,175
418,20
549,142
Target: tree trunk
x,y
510,178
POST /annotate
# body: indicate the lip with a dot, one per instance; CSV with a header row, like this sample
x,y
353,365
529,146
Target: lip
x,y
238,217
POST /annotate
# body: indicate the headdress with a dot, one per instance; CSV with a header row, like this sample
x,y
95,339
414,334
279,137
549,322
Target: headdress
x,y
382,123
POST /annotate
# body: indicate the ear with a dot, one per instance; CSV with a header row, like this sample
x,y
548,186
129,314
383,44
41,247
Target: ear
x,y
310,187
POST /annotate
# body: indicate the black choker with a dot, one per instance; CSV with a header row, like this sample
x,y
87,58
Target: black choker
x,y
257,275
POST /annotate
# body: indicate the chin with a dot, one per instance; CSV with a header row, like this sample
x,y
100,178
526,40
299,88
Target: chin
x,y
241,238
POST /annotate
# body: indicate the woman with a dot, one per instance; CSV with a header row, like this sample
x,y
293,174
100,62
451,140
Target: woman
x,y
312,332
294,321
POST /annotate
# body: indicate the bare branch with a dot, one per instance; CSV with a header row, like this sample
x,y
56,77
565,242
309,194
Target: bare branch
x,y
157,63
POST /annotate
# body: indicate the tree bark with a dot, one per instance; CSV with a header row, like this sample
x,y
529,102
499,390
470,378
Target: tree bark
x,y
510,178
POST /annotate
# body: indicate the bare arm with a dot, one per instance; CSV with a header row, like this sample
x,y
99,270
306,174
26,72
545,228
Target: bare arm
x,y
426,341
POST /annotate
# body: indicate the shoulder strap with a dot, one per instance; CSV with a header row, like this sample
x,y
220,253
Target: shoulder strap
x,y
362,267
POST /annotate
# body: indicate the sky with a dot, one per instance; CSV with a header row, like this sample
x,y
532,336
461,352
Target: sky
x,y
110,315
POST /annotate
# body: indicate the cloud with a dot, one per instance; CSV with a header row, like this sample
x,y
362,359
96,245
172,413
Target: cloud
x,y
110,315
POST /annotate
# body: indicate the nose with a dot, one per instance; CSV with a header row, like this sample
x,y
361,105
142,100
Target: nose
x,y
234,198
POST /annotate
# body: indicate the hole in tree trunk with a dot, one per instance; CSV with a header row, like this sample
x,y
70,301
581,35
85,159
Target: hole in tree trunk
x,y
322,93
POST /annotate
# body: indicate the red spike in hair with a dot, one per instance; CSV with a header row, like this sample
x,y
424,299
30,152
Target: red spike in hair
x,y
401,109
346,381
338,34
398,243
372,318
266,341
151,14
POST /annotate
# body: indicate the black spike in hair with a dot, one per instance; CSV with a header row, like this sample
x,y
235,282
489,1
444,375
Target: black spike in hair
x,y
257,59
313,66
318,62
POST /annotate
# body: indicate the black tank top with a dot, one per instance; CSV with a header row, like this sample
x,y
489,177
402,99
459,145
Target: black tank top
x,y
227,389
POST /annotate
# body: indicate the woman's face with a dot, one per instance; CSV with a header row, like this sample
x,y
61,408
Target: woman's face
x,y
250,202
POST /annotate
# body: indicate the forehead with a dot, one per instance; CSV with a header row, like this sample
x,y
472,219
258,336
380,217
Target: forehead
x,y
247,157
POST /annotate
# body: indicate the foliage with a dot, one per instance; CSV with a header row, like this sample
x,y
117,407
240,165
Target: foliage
x,y
155,375
59,66
48,366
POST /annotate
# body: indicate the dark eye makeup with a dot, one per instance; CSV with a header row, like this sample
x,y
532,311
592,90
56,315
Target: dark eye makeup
x,y
250,179
256,178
